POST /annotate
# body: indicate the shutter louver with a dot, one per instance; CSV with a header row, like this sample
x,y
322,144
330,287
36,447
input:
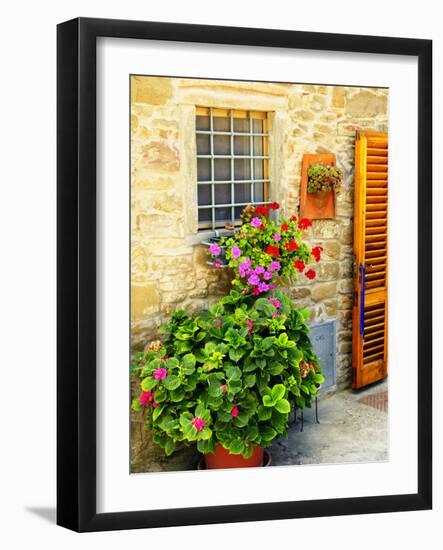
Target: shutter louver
x,y
369,330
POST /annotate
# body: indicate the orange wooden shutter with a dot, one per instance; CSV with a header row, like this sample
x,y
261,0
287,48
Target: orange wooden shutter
x,y
369,318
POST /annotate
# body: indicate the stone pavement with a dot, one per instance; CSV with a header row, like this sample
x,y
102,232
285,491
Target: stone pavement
x,y
353,428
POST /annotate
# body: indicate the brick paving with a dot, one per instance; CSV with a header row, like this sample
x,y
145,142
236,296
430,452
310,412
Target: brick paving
x,y
377,400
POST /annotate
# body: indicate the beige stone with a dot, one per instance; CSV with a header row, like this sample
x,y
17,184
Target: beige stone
x,y
327,271
160,156
346,285
145,300
331,250
338,97
320,291
365,104
152,90
325,229
347,234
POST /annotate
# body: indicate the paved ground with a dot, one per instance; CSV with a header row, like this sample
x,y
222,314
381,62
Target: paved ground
x,y
353,428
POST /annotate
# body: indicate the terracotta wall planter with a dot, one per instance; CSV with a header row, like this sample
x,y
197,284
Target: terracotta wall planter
x,y
316,206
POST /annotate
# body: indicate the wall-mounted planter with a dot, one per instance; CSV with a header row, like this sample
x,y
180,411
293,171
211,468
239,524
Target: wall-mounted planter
x,y
316,206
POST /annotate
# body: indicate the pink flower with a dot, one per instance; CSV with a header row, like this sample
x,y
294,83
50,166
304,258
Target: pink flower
x,y
253,280
276,303
259,269
256,222
236,252
160,374
277,237
155,405
146,398
224,389
234,411
244,267
198,423
274,266
263,287
217,264
219,323
250,325
267,276
214,249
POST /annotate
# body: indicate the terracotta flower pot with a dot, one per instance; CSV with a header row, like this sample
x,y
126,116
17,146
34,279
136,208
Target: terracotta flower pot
x,y
222,459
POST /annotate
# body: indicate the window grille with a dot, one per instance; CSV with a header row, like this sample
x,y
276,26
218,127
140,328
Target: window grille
x,y
232,164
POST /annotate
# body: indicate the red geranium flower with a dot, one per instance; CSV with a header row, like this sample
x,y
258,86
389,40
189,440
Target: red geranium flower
x,y
284,227
316,252
304,224
310,274
255,291
291,246
274,206
293,218
261,210
273,251
300,265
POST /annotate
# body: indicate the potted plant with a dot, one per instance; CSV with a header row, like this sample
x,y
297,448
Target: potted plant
x,y
264,250
226,379
322,181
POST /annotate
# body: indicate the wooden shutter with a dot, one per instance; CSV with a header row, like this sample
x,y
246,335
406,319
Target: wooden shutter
x,y
369,319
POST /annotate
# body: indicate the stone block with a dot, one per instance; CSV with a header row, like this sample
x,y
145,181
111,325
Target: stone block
x,y
151,90
145,301
320,291
366,104
327,271
160,156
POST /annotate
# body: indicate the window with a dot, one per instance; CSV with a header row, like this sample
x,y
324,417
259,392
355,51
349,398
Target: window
x,y
232,164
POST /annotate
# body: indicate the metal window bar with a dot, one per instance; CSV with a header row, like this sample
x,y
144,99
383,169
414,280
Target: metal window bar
x,y
232,181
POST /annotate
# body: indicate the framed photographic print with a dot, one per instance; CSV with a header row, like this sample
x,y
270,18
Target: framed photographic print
x,y
244,274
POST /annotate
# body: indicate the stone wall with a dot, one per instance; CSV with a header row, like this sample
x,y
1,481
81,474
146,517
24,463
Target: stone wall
x,y
169,268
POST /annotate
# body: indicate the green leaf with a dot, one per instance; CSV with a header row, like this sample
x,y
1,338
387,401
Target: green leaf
x,y
148,384
249,380
278,392
268,342
157,411
264,413
169,447
136,405
283,406
171,382
236,354
177,395
319,379
236,446
189,363
276,368
267,433
268,401
233,373
206,446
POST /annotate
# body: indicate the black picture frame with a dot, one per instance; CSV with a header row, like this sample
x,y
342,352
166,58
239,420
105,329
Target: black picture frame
x,y
76,264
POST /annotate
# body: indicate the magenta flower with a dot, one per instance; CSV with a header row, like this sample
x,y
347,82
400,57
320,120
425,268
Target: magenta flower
x,y
234,411
256,222
198,423
244,267
160,374
274,266
214,249
219,323
155,405
146,398
259,270
217,264
276,303
224,389
254,280
267,276
236,252
250,325
271,287
277,237
263,287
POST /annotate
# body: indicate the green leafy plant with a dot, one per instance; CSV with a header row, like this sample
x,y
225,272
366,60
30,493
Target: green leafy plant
x,y
324,178
229,375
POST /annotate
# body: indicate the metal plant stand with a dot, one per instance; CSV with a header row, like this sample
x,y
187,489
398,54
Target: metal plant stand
x,y
302,417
